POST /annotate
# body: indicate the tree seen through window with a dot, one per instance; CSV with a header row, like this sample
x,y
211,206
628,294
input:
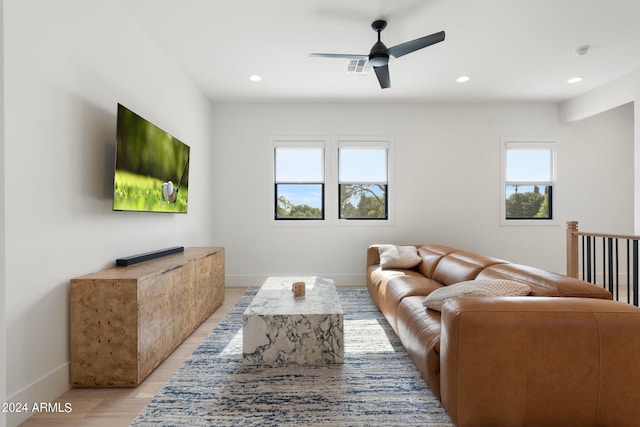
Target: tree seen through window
x,y
363,200
526,201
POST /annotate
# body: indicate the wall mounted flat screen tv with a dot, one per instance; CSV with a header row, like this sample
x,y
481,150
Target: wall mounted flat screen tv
x,y
152,167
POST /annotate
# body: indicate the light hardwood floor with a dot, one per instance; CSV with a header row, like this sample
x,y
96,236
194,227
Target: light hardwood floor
x,y
114,407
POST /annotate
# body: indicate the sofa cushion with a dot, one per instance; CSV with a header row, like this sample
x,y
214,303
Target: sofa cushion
x,y
545,283
419,331
389,287
392,256
475,288
377,279
459,266
399,288
431,256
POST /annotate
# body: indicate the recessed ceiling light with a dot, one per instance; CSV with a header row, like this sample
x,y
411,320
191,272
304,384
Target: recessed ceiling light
x,y
575,80
255,78
463,79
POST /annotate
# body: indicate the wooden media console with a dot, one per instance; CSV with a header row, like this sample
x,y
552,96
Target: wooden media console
x,y
124,321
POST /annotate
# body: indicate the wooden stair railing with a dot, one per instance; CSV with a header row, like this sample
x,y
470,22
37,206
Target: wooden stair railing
x,y
610,260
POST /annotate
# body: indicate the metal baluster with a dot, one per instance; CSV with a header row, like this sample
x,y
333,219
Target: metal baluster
x,y
589,259
609,262
583,257
635,272
595,260
604,262
617,271
628,272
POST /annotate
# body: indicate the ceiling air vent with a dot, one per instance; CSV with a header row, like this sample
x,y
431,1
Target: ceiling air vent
x,y
358,66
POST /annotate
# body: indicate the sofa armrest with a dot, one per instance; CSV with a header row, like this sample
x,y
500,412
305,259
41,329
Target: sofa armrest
x,y
540,361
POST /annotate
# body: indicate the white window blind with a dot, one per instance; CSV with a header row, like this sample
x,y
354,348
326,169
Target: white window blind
x,y
363,165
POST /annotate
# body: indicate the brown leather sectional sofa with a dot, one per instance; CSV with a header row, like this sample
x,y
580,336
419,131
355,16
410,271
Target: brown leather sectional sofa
x,y
566,355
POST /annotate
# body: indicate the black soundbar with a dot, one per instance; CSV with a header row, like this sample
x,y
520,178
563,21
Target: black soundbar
x,y
134,259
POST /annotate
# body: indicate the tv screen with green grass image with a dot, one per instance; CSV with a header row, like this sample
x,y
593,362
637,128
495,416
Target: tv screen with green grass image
x,y
152,167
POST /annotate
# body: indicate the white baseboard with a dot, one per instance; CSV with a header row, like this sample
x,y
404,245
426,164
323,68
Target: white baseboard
x,y
44,390
242,280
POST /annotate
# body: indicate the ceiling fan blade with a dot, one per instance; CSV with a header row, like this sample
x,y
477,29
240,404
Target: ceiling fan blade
x,y
417,44
383,76
338,55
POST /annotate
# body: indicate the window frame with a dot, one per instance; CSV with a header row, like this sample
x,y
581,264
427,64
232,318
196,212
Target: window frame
x,y
331,190
298,143
529,143
364,144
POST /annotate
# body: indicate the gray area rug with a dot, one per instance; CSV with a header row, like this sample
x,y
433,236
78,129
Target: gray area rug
x,y
378,385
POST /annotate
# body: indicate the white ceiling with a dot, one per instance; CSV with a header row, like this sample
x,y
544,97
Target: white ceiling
x,y
513,50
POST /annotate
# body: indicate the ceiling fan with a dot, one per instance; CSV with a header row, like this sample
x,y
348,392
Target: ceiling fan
x,y
379,55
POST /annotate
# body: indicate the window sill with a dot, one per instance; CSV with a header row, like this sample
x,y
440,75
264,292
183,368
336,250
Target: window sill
x,y
334,222
527,222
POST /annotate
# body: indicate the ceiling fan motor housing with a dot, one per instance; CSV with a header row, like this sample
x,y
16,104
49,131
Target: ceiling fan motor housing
x,y
379,56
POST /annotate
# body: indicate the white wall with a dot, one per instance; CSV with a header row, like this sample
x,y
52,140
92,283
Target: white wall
x,y
446,183
622,91
67,64
3,331
600,155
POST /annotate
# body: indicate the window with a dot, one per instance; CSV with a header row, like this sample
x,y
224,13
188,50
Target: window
x,y
529,180
299,181
363,180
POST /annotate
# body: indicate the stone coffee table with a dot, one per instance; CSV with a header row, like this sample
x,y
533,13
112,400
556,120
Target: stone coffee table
x,y
278,329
